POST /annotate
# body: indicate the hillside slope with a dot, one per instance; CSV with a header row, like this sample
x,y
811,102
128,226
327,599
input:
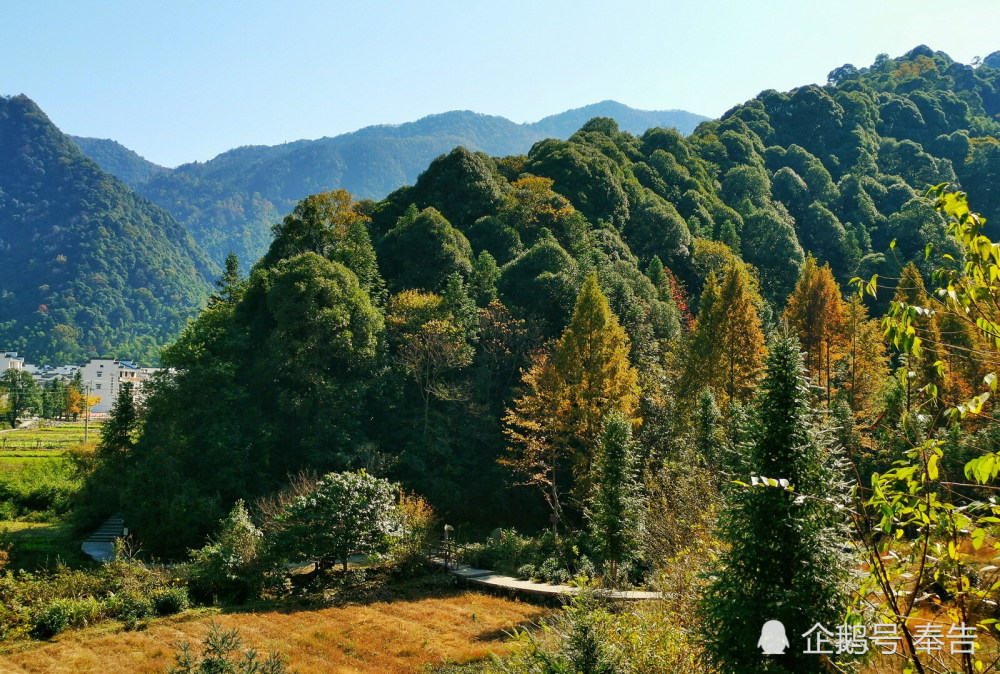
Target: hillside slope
x,y
90,268
230,202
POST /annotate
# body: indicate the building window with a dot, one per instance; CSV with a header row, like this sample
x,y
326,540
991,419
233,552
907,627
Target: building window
x,y
98,386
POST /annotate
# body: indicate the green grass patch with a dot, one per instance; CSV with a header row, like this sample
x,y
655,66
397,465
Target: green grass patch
x,y
36,488
50,436
38,545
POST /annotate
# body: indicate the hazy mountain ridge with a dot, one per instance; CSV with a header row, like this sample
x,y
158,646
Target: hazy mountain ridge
x,y
229,203
121,162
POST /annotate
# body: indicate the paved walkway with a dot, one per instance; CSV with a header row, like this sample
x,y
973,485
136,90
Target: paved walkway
x,y
101,544
494,580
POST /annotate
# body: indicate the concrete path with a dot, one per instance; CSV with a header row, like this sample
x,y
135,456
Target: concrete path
x,y
101,544
494,580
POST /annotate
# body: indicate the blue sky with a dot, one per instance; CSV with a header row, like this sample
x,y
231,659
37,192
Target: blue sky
x,y
185,80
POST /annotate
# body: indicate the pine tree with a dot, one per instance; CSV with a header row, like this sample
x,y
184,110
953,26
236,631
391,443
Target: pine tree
x,y
615,514
118,434
784,559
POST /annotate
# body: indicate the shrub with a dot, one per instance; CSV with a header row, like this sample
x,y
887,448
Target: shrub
x,y
418,530
348,514
230,566
527,571
168,601
130,608
61,614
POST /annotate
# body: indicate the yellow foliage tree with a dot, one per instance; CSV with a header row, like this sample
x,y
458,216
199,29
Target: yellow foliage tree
x,y
815,313
565,397
726,350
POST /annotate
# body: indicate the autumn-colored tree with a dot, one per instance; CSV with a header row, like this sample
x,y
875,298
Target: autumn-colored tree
x,y
926,367
565,399
537,452
591,358
726,350
865,357
815,313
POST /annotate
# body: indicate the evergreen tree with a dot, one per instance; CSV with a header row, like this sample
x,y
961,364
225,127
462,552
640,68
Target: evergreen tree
x,y
119,432
784,560
615,513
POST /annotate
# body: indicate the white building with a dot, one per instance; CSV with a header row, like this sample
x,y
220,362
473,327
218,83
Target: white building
x,y
105,376
10,361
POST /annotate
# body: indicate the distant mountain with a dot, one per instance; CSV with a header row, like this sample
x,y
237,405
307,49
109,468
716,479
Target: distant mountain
x,y
89,267
230,202
118,160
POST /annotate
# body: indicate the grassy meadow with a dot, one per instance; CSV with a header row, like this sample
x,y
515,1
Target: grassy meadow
x,y
37,484
403,634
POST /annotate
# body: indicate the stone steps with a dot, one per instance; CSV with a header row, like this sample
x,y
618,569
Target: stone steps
x,y
100,545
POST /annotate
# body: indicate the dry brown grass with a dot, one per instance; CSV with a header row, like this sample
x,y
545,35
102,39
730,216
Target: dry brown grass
x,y
384,637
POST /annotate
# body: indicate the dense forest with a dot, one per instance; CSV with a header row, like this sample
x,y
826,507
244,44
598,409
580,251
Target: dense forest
x,y
717,363
90,268
393,335
230,202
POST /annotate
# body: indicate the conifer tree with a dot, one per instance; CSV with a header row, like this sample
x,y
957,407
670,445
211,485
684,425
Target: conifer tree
x,y
564,401
784,559
591,359
865,355
119,432
727,346
815,313
615,514
926,366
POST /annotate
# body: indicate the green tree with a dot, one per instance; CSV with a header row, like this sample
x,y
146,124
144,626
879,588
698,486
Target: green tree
x,y
348,514
616,508
120,431
229,565
21,392
784,559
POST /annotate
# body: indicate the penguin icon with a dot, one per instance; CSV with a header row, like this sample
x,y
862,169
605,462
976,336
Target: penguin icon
x,y
772,638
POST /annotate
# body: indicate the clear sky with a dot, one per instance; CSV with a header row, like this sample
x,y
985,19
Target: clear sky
x,y
185,80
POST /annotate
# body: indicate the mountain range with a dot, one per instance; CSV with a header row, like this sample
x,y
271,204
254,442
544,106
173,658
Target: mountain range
x,y
230,203
90,267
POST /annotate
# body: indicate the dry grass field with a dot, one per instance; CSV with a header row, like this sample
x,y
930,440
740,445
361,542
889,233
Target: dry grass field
x,y
405,635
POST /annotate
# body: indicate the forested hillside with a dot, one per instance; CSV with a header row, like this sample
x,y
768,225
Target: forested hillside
x,y
230,202
421,336
118,160
89,268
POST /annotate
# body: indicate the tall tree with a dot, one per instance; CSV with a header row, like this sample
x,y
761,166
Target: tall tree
x,y
726,348
815,313
561,412
591,358
784,561
615,513
867,363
